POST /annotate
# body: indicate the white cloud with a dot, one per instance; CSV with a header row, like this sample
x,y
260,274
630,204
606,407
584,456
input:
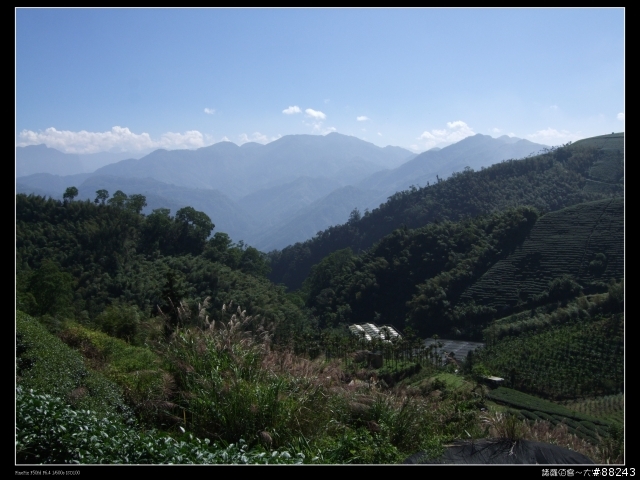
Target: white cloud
x,y
117,139
496,130
190,139
225,139
256,137
426,136
315,114
315,123
362,118
291,110
457,124
363,129
554,107
379,134
454,132
551,136
621,116
209,111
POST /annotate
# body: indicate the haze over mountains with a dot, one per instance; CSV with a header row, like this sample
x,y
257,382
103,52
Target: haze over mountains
x,y
42,159
269,195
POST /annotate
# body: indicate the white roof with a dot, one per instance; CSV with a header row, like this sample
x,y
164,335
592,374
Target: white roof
x,y
371,330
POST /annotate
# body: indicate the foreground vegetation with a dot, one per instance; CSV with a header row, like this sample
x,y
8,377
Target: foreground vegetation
x,y
226,384
225,394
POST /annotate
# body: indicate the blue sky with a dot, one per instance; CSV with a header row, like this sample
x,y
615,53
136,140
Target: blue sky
x,y
90,80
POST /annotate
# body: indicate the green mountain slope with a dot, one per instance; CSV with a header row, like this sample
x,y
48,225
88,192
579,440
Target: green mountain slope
x,y
585,241
551,181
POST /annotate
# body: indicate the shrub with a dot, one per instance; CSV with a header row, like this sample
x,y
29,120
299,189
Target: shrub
x,y
505,426
357,446
137,370
47,365
121,321
50,432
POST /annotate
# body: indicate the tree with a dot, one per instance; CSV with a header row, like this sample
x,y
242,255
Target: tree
x,y
120,320
354,216
174,291
118,200
136,203
70,193
159,232
101,196
194,227
52,289
254,262
563,288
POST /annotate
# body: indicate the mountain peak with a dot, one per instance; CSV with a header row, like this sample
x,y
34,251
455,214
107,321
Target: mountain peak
x,y
508,139
40,146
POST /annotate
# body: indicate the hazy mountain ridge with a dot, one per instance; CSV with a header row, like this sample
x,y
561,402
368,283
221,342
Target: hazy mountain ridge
x,y
474,152
284,191
34,159
226,214
53,185
550,181
241,170
313,218
279,203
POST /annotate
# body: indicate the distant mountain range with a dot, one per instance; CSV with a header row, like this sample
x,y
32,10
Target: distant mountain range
x,y
473,152
270,195
238,171
42,159
588,170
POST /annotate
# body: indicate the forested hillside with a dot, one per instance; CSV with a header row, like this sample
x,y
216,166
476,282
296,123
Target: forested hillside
x,y
548,182
413,271
453,278
78,258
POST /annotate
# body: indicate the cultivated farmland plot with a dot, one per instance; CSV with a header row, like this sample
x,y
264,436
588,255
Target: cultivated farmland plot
x,y
585,241
536,409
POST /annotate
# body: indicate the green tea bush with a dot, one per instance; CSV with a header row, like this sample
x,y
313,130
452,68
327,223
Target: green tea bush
x,y
47,365
137,370
48,431
609,408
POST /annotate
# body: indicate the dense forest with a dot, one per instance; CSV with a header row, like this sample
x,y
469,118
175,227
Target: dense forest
x,y
180,346
77,258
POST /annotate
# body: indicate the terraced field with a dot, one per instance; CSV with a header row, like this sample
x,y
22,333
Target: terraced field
x,y
585,241
614,141
536,409
609,167
609,408
564,362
